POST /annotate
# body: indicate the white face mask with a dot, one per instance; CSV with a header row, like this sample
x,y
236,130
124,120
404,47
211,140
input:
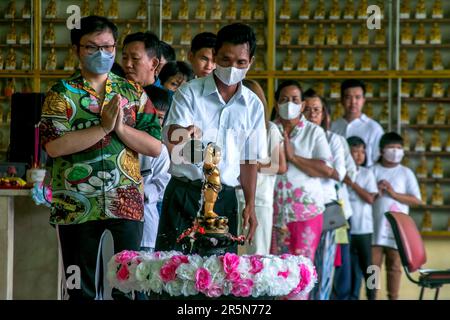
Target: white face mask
x,y
230,75
289,110
393,155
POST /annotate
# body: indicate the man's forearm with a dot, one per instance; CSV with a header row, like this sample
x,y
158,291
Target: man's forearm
x,y
312,167
248,182
139,141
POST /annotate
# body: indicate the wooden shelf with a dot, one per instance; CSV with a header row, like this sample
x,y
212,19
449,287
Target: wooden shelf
x,y
427,20
425,46
17,20
425,74
218,21
425,99
121,21
436,234
310,74
16,74
435,180
427,153
331,46
17,45
323,21
426,126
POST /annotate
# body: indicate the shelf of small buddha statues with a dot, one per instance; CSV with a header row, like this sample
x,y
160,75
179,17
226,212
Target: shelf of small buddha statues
x,y
175,46
427,99
311,74
428,154
436,234
427,45
426,126
116,21
434,180
331,46
16,46
15,73
444,20
212,21
58,73
432,74
18,20
323,21
372,99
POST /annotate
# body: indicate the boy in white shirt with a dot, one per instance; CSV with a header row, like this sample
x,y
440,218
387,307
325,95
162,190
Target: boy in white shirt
x,y
398,189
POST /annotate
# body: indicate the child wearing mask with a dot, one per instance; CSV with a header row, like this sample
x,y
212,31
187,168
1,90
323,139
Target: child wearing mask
x,y
398,189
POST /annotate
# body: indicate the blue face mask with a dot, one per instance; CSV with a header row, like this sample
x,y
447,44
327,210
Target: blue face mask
x,y
100,62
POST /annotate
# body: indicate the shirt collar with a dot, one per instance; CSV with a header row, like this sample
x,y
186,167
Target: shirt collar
x,y
209,87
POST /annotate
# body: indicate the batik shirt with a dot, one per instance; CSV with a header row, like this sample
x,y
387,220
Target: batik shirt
x,y
103,181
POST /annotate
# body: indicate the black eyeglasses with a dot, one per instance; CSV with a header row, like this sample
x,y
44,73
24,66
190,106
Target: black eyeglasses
x,y
93,49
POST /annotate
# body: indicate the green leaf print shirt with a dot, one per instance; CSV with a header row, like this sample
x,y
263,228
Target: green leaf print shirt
x,y
103,181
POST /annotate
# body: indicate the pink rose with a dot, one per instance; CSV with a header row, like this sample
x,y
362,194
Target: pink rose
x,y
233,276
312,208
288,185
167,272
280,185
305,279
283,274
123,273
298,193
179,259
214,291
230,262
256,265
202,279
242,288
125,256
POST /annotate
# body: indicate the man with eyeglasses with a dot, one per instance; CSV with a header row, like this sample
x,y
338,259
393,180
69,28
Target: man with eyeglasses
x,y
93,126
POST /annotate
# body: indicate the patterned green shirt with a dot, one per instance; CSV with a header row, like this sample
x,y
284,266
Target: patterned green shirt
x,y
104,180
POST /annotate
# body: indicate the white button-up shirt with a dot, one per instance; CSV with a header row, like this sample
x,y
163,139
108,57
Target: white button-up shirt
x,y
238,127
367,129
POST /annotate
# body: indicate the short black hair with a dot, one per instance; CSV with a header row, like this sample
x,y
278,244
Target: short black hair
x,y
118,70
237,33
167,51
311,93
390,138
150,40
172,68
352,83
203,40
285,84
92,24
159,96
355,141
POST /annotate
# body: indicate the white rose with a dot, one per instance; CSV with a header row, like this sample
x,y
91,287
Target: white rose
x,y
143,271
196,260
155,284
189,288
186,271
174,287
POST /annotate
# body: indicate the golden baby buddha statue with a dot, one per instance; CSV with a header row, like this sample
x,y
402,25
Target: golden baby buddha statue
x,y
435,34
349,10
380,36
302,61
406,34
420,142
182,55
141,13
126,32
50,64
183,14
421,11
437,63
100,8
349,63
419,63
85,11
11,37
439,115
422,115
246,11
438,90
366,61
216,11
419,90
25,37
50,11
406,89
369,90
285,10
437,198
69,62
186,36
427,222
437,12
260,35
319,36
405,9
320,10
382,61
422,169
447,144
335,91
403,60
259,10
288,63
406,141
368,109
334,64
332,38
423,193
421,37
2,62
363,37
362,9
26,62
320,88
319,64
384,115
436,144
304,10
10,11
260,64
384,89
10,63
303,35
26,11
285,37
231,11
200,12
335,10
113,11
347,36
404,114
167,9
49,35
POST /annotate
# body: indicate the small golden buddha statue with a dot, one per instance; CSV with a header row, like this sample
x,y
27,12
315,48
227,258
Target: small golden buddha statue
x,y
423,193
302,61
11,37
246,11
380,36
447,144
186,36
320,10
85,11
337,112
141,13
421,37
437,198
50,11
49,35
100,8
406,89
362,9
437,12
334,64
24,37
384,115
383,90
406,141
288,63
422,115
335,10
260,64
113,11
304,10
26,11
319,64
303,35
166,9
420,142
319,36
347,36
369,90
405,9
200,12
435,34
349,10
427,222
366,61
2,62
216,11
285,37
260,35
349,63
438,90
332,38
439,115
421,10
50,64
368,109
182,55
126,32
437,63
382,61
285,10
419,64
26,62
167,36
259,10
406,34
403,60
320,88
335,91
10,63
10,11
69,62
419,90
231,11
144,26
404,114
363,37
183,13
436,144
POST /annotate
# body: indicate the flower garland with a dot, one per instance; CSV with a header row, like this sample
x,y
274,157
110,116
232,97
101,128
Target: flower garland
x,y
214,276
